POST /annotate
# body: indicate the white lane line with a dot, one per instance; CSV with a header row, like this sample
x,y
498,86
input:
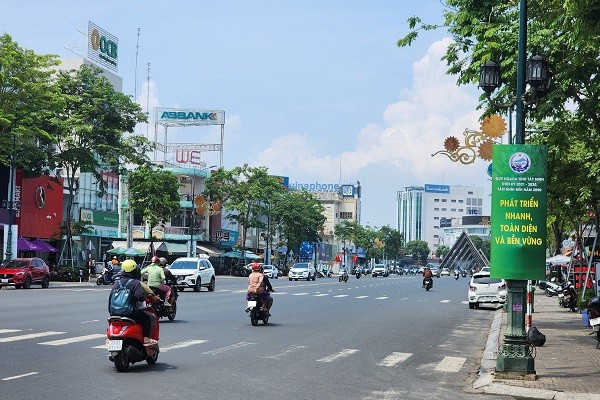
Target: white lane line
x,y
19,376
394,358
76,339
464,302
227,348
404,298
361,297
450,364
343,353
341,295
299,294
91,320
30,336
277,293
445,301
221,291
381,298
183,344
321,295
9,330
291,349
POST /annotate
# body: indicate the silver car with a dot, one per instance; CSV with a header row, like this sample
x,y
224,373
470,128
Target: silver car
x,y
271,271
303,270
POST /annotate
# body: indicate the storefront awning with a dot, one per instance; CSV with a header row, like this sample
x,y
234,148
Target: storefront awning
x,y
173,248
208,250
139,246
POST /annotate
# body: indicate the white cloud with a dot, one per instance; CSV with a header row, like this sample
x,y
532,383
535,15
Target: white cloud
x,y
430,110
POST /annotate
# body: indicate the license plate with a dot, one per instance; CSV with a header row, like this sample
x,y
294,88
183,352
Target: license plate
x,y
251,304
595,321
4,280
487,299
115,345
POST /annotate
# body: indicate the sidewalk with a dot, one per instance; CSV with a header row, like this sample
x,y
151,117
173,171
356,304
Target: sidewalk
x,y
567,366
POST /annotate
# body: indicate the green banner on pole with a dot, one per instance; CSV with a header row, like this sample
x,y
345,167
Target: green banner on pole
x,y
519,195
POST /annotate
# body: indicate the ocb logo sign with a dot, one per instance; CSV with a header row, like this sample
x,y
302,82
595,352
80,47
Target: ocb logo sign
x,y
102,47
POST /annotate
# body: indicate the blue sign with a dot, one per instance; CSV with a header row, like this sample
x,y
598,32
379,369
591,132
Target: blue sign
x,y
437,188
489,170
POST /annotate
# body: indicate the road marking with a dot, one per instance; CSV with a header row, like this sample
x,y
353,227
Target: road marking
x,y
75,339
19,376
273,293
450,364
9,330
183,344
361,297
299,294
394,359
343,353
222,291
321,295
91,320
341,295
227,348
381,298
404,298
291,349
445,301
30,336
464,302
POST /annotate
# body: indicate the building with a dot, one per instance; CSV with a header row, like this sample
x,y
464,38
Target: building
x,y
424,211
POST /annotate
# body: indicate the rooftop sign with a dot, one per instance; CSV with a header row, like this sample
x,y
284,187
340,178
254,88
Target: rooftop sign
x,y
102,47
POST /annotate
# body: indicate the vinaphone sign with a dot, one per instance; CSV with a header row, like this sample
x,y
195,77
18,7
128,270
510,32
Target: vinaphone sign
x,y
102,47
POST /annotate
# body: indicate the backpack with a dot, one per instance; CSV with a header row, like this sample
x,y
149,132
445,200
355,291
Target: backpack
x,y
535,337
121,300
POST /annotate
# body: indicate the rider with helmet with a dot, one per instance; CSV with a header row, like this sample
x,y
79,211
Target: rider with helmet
x,y
156,276
427,274
169,279
131,273
258,283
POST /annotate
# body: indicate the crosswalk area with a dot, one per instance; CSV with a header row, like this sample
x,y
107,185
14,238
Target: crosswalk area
x,y
203,347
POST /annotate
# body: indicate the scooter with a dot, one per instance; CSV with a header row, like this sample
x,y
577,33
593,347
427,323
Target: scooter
x,y
126,341
107,278
463,273
358,274
343,276
255,311
593,311
456,274
161,309
428,283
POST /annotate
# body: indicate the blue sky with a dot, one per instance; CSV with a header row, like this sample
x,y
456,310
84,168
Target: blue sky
x,y
314,90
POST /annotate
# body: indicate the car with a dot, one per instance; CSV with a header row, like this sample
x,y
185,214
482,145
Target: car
x,y
302,270
193,272
271,271
24,272
379,270
445,272
485,289
485,269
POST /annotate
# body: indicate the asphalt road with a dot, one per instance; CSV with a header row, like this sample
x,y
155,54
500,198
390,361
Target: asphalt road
x,y
373,338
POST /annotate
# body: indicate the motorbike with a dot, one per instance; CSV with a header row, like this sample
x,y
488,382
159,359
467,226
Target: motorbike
x,y
107,278
161,309
255,311
343,276
456,274
126,341
463,273
428,283
61,275
593,311
357,274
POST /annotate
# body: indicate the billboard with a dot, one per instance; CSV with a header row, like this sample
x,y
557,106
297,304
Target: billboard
x,y
519,196
103,47
429,188
188,116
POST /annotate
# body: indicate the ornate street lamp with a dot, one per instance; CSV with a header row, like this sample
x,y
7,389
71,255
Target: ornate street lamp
x,y
489,77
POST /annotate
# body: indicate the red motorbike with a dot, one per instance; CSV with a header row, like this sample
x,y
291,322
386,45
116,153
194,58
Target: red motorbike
x,y
126,341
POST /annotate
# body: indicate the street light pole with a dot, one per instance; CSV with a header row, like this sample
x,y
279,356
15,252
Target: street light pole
x,y
11,200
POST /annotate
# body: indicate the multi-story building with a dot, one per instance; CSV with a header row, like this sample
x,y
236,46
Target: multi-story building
x,y
424,211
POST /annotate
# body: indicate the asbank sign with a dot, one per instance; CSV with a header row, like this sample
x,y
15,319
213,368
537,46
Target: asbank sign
x,y
189,116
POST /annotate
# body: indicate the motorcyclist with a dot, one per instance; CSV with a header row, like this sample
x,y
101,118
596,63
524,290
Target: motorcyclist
x,y
169,279
427,274
258,283
131,272
107,272
156,277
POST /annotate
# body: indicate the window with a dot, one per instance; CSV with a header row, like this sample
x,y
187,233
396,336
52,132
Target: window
x,y
444,200
453,209
453,201
461,201
443,209
345,215
461,210
469,192
436,218
436,227
436,200
436,209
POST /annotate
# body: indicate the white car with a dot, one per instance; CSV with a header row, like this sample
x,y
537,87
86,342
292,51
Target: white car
x,y
271,271
445,272
379,269
193,273
303,270
486,290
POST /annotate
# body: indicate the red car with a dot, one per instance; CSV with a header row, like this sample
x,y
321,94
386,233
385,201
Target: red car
x,y
24,272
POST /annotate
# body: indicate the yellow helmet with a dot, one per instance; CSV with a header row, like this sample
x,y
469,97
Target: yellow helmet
x,y
128,266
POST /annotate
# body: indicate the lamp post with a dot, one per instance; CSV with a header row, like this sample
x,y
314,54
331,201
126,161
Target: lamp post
x,y
11,204
192,216
515,355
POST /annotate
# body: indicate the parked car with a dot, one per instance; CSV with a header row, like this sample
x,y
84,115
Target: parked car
x,y
303,270
485,289
193,273
271,271
379,270
445,272
24,272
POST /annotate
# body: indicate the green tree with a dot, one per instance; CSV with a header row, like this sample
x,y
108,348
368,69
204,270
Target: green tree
x,y
246,192
89,130
154,194
27,100
393,241
442,251
300,218
419,249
